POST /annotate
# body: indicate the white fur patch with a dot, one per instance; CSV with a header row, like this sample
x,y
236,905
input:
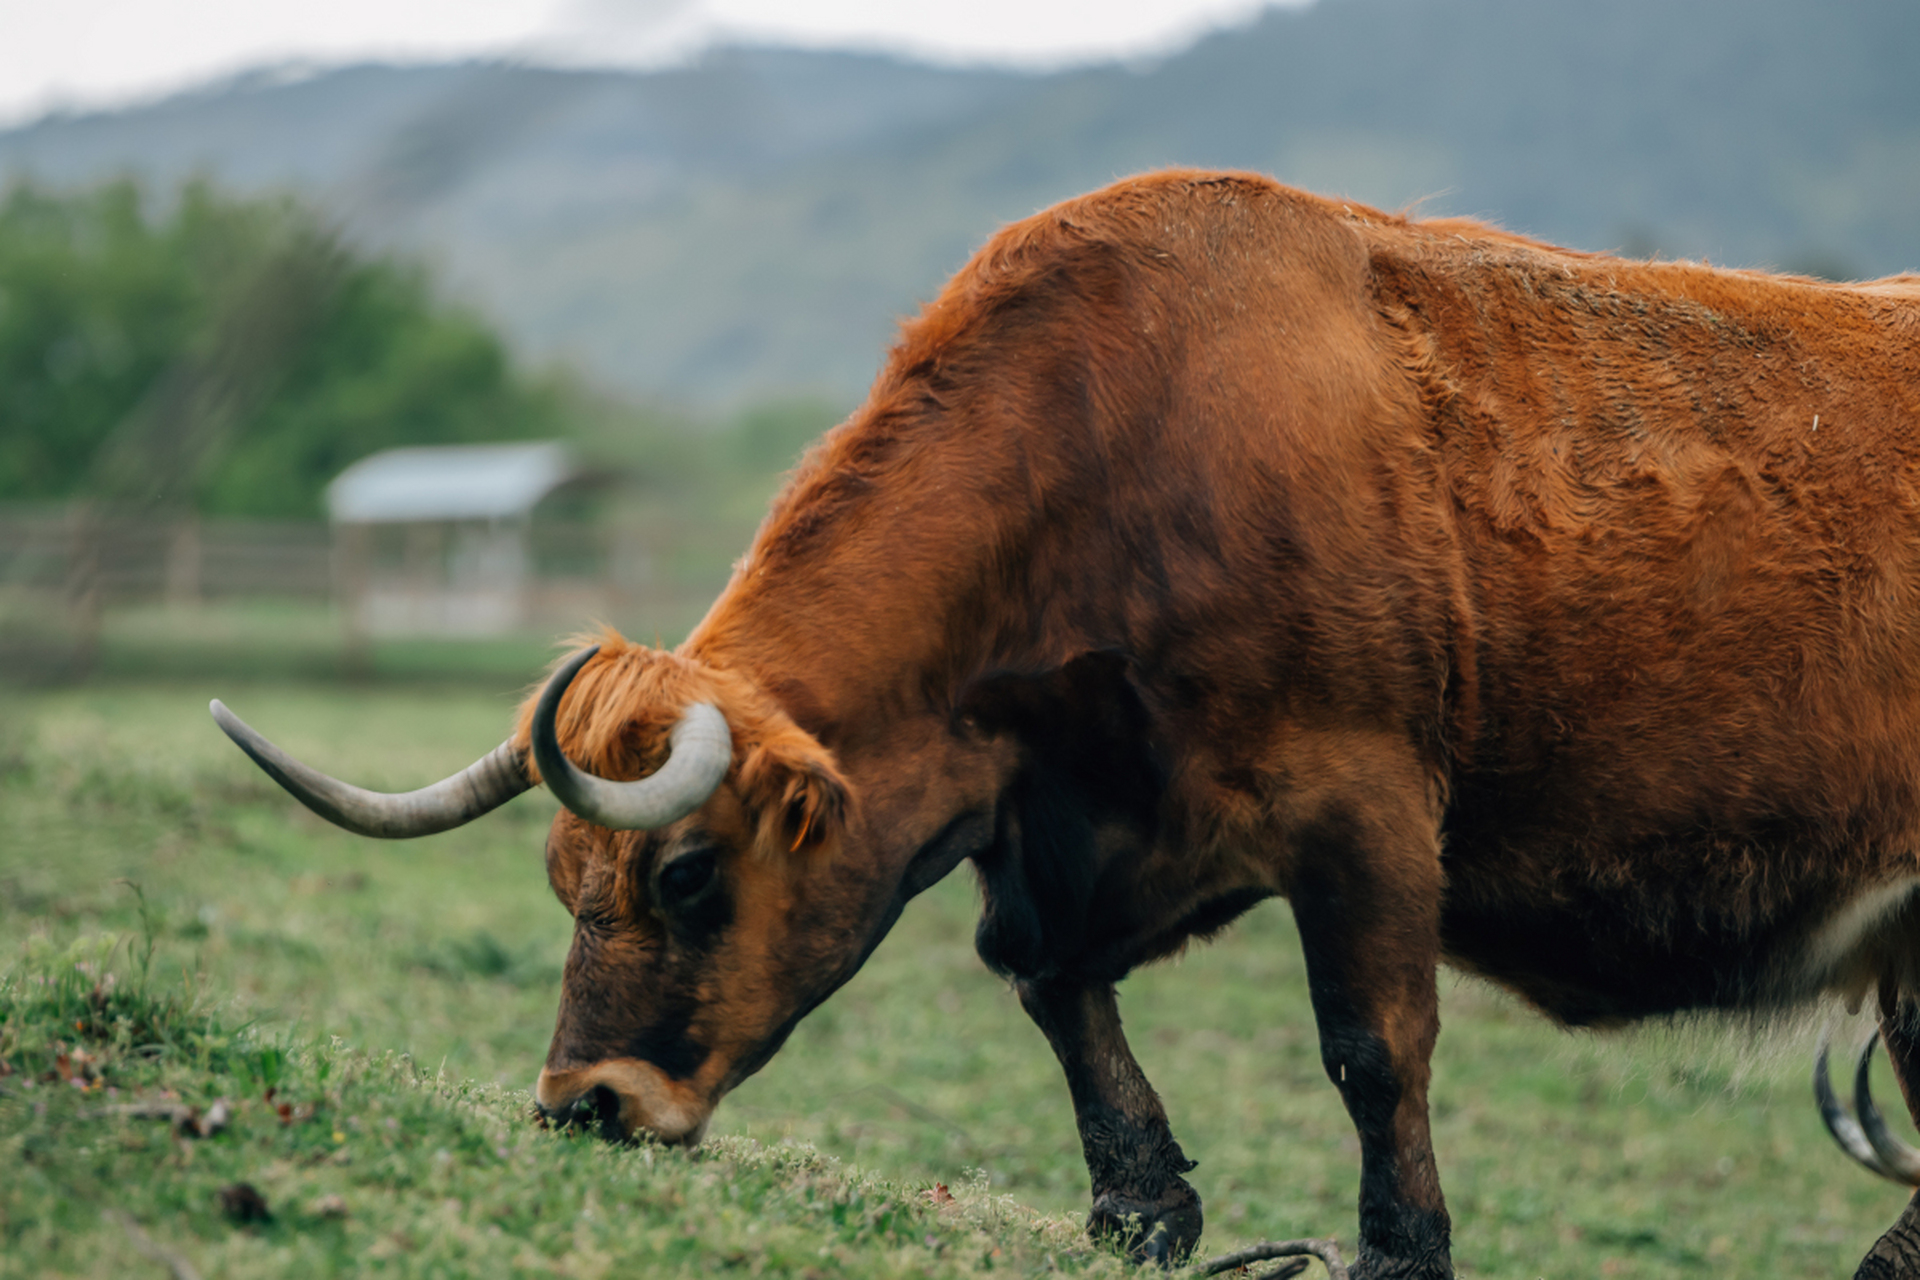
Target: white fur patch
x,y
1838,956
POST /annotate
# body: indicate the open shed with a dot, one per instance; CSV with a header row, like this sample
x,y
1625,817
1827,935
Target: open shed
x,y
436,540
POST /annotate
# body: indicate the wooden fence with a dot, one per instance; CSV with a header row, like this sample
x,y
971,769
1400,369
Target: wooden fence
x,y
93,561
61,570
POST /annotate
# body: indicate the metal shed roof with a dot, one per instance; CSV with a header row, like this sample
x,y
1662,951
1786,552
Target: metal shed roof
x,y
450,482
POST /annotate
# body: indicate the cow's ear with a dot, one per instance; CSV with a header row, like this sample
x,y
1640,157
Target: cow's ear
x,y
795,790
1087,788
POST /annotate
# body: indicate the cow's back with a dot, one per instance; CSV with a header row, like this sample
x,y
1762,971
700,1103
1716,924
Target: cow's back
x,y
1689,524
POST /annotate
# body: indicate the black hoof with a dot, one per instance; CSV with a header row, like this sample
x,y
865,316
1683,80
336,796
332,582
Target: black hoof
x,y
1425,1266
1162,1231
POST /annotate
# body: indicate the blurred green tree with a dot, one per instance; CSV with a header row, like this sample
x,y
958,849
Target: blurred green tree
x,y
228,355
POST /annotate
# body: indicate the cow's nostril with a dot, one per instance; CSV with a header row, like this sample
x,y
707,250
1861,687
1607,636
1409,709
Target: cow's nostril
x,y
600,1106
602,1102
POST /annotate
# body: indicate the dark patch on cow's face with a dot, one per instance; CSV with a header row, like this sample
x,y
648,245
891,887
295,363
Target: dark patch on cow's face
x,y
615,953
681,916
1088,786
649,915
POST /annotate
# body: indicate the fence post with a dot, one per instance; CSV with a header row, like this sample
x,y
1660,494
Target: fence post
x,y
352,554
184,559
86,531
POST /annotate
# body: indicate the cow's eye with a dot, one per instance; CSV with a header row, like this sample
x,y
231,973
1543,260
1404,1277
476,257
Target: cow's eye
x,y
687,878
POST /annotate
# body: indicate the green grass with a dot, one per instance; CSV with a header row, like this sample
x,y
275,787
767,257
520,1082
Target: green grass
x,y
405,992
359,1162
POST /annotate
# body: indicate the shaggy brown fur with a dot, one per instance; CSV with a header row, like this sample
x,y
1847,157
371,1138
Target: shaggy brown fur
x,y
1549,613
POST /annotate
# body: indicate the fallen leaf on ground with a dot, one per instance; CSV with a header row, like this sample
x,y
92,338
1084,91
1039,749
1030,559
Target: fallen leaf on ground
x,y
78,1068
328,1206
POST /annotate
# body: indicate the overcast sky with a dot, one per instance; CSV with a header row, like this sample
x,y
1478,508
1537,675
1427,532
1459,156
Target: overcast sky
x,y
89,53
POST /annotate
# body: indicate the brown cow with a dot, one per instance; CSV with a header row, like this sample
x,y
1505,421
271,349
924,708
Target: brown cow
x,y
1549,614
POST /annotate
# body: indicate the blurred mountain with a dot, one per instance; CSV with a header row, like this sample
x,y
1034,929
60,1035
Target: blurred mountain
x,y
756,221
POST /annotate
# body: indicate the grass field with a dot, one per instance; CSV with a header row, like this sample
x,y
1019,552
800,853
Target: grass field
x,y
399,997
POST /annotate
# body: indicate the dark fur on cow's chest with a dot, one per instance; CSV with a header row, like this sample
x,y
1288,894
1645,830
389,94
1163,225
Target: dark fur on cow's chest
x,y
1082,807
1085,781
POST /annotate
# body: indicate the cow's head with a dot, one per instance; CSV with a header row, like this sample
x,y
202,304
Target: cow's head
x,y
697,854
708,912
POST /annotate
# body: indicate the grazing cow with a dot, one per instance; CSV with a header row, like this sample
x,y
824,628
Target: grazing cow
x,y
1549,614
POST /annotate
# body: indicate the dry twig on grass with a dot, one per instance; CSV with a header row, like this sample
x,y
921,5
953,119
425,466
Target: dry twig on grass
x,y
188,1122
180,1268
1299,1250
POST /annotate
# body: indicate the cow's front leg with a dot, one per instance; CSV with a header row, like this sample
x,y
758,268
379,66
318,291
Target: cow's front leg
x,y
1138,1193
1368,907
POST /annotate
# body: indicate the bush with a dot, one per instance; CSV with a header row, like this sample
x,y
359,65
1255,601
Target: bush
x,y
229,355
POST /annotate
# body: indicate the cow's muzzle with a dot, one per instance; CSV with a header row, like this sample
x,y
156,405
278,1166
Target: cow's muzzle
x,y
623,1099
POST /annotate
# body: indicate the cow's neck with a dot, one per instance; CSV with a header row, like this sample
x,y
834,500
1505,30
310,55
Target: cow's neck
x,y
867,601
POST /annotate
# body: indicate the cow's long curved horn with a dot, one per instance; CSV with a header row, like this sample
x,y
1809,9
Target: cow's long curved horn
x,y
484,785
701,753
1840,1122
1902,1159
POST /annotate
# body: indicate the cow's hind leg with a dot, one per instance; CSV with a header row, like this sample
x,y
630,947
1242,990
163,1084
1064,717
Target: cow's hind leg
x,y
1896,1255
1139,1196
